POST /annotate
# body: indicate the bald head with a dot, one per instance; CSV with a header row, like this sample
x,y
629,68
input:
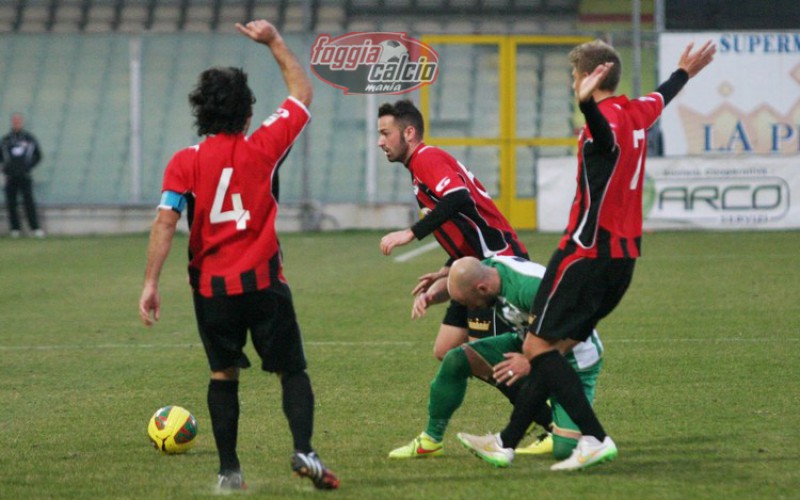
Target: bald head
x,y
473,284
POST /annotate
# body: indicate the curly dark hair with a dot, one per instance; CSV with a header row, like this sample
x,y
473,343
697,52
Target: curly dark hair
x,y
222,101
406,114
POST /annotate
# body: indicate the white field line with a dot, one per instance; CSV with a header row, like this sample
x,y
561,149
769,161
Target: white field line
x,y
367,343
721,341
65,347
416,252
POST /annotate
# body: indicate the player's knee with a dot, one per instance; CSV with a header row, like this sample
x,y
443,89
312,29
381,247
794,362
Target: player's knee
x,y
442,347
448,337
534,346
289,376
231,373
478,366
455,363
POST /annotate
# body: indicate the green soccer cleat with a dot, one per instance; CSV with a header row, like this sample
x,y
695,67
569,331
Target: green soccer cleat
x,y
589,452
488,448
421,447
542,445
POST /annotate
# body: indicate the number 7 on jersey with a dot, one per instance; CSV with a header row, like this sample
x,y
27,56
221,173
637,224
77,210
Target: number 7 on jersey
x,y
238,214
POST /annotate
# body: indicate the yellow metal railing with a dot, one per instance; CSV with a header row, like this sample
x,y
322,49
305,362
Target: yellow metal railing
x,y
521,212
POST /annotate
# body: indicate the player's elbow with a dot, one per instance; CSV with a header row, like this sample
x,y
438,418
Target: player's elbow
x,y
304,93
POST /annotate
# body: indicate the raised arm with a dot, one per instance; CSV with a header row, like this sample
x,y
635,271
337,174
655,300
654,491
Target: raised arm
x,y
694,62
689,65
294,75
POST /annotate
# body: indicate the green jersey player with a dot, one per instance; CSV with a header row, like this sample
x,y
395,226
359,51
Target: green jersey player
x,y
508,284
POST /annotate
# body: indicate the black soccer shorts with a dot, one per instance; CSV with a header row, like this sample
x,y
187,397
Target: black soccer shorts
x,y
223,323
481,322
576,293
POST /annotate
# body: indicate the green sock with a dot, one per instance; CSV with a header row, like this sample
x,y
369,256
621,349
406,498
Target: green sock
x,y
447,392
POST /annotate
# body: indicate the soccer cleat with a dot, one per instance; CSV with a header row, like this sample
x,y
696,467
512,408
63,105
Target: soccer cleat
x,y
231,481
589,451
309,465
14,233
542,445
488,448
38,233
421,447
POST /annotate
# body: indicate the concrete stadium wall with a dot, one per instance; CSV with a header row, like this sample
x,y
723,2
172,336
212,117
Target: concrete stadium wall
x,y
91,220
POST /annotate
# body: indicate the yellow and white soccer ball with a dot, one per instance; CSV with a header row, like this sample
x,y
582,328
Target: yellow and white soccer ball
x,y
172,429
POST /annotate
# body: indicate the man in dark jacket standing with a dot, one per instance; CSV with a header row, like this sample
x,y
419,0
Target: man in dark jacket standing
x,y
19,153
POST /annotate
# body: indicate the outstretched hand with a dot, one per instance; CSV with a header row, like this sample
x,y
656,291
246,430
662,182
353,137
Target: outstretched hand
x,y
396,239
694,62
589,83
260,31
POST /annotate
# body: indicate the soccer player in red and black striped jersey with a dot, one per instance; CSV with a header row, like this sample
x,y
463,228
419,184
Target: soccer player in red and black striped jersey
x,y
458,212
593,265
225,183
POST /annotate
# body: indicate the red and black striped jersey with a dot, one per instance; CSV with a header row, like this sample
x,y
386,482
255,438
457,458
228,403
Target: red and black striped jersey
x,y
478,229
233,247
606,215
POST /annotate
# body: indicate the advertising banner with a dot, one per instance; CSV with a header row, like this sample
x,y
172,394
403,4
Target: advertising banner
x,y
746,102
691,193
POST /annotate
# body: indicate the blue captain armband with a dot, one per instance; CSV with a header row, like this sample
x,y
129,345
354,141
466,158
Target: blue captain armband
x,y
172,200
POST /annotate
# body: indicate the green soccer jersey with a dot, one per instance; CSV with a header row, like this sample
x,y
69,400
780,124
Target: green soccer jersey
x,y
519,282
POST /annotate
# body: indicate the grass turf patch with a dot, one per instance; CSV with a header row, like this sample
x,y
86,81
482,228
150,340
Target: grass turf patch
x,y
698,390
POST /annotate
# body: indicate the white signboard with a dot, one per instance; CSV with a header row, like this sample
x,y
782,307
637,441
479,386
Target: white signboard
x,y
746,102
691,193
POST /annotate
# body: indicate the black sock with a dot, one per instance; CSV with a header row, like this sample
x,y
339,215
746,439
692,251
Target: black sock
x,y
530,403
298,406
542,414
510,392
566,388
223,406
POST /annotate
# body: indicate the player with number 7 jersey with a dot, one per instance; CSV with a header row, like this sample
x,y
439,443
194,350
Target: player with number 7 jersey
x,y
227,180
603,220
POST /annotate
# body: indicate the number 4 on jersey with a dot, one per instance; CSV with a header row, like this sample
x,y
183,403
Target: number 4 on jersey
x,y
238,214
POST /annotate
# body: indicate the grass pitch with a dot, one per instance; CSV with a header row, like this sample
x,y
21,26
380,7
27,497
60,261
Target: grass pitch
x,y
700,386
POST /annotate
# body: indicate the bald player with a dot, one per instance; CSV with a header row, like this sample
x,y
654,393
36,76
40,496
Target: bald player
x,y
507,285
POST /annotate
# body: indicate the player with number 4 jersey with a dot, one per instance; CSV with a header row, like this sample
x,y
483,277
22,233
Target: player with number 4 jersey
x,y
229,178
227,186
